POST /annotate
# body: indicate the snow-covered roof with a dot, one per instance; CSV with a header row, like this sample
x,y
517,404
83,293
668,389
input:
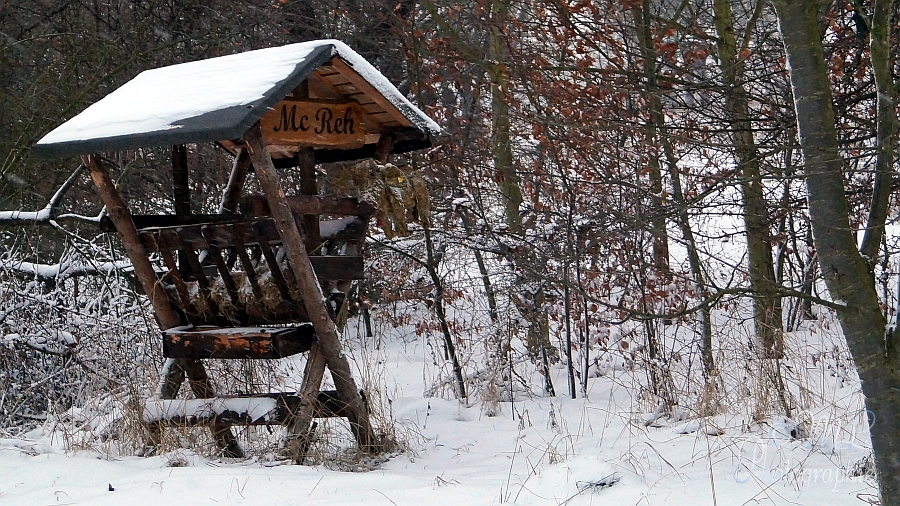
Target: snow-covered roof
x,y
216,99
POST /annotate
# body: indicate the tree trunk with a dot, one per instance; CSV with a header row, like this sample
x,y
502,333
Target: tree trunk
x,y
880,33
642,16
766,303
532,307
845,270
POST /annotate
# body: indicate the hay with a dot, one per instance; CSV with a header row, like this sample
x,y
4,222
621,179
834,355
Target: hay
x,y
219,301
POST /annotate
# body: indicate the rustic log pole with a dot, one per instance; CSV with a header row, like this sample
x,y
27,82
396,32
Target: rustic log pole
x,y
121,218
232,194
310,291
300,428
165,313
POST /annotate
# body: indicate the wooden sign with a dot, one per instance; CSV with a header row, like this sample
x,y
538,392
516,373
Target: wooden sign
x,y
302,123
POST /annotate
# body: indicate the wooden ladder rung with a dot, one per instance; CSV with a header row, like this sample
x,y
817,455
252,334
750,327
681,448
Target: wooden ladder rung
x,y
237,342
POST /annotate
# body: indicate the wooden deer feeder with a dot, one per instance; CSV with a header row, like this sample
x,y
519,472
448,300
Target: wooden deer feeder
x,y
247,283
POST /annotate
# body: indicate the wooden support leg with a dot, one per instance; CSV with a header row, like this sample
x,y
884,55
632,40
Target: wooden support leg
x,y
165,313
311,292
202,389
172,377
300,429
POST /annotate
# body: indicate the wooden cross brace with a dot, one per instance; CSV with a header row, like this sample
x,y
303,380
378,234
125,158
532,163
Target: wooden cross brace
x,y
327,351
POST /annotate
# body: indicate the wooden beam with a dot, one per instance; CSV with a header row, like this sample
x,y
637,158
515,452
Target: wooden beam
x,y
256,205
311,292
384,147
200,236
255,409
307,165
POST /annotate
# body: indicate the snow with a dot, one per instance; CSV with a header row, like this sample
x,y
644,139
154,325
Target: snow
x,y
42,215
63,269
162,99
255,407
330,228
537,450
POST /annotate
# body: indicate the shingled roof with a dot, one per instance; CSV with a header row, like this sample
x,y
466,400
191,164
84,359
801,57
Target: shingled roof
x,y
219,99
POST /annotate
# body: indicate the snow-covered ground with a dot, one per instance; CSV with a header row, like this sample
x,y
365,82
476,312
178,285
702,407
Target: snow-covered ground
x,y
537,450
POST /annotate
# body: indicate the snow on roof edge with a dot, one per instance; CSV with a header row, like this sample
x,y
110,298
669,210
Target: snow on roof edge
x,y
378,81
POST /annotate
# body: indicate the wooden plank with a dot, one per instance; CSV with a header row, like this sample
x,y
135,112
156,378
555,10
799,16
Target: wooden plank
x,y
362,85
237,342
336,80
256,205
198,237
239,229
307,165
169,260
142,221
232,194
338,267
274,268
314,124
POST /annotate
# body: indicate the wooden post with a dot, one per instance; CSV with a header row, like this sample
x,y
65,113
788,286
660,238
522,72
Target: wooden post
x,y
300,428
181,181
310,291
165,313
307,166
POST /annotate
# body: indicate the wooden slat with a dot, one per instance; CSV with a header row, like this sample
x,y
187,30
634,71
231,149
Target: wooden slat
x,y
338,267
337,79
199,237
277,276
249,268
215,253
326,267
142,221
237,342
172,240
181,181
169,260
348,89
